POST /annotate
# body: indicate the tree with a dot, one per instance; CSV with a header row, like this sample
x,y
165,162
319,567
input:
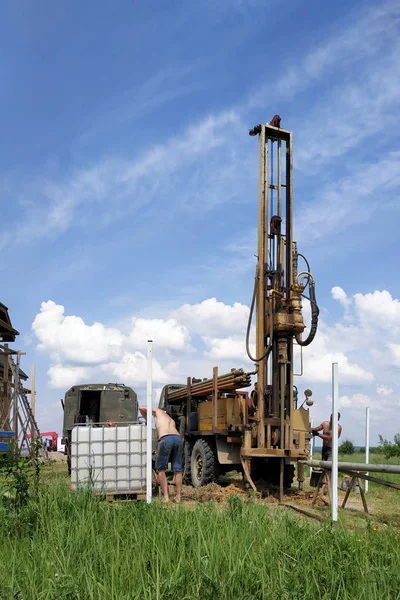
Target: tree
x,y
390,449
346,447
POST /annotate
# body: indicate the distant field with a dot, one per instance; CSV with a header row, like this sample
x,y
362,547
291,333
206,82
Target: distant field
x,y
73,546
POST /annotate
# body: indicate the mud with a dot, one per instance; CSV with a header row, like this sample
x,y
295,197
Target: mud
x,y
220,494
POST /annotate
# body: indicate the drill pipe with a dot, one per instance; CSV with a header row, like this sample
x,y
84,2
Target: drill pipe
x,y
201,390
229,382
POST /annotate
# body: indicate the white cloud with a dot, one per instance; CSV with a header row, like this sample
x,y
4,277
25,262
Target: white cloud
x,y
71,344
66,376
69,338
318,368
98,193
363,36
384,390
229,348
355,401
175,153
213,318
355,198
340,295
395,352
165,333
378,309
132,369
86,353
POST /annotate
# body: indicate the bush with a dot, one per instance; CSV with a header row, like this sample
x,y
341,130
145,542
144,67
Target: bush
x,y
390,449
346,447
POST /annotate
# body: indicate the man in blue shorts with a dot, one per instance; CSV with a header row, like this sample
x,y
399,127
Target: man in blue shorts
x,y
169,451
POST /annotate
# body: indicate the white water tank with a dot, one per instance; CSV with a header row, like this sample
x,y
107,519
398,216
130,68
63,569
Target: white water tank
x,y
109,459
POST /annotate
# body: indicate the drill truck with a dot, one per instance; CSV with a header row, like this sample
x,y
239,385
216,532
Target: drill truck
x,y
265,433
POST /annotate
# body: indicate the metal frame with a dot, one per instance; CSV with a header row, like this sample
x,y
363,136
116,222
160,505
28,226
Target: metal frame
x,y
15,409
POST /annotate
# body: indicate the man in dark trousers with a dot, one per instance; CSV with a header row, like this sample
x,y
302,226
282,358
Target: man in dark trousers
x,y
169,450
326,437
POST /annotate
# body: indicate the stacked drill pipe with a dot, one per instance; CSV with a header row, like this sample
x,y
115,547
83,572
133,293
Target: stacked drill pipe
x,y
230,382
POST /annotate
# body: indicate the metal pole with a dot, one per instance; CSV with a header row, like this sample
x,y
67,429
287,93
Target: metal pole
x,y
366,443
312,444
350,466
334,477
149,470
33,397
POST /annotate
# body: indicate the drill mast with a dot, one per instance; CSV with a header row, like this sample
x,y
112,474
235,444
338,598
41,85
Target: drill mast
x,y
278,293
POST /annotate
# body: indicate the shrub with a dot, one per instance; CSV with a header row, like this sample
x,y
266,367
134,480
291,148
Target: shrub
x,y
346,447
390,449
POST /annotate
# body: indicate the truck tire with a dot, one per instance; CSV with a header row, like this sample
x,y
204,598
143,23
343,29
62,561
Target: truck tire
x,y
203,463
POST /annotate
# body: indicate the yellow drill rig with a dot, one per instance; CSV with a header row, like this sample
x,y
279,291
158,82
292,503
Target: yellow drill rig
x,y
265,433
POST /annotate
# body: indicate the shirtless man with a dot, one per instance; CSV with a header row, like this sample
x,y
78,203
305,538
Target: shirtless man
x,y
326,437
169,450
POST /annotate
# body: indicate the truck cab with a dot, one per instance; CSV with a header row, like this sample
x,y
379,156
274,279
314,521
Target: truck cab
x,y
97,404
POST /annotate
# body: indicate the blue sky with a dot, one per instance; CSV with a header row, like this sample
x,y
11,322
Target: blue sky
x,y
129,187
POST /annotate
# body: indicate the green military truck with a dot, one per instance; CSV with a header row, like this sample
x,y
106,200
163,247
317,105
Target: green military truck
x,y
96,404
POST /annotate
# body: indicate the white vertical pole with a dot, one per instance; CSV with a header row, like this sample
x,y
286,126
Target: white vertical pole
x,y
366,443
312,443
33,397
149,470
334,477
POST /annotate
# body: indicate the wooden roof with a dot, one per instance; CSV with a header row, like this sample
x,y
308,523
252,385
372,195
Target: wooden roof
x,y
7,331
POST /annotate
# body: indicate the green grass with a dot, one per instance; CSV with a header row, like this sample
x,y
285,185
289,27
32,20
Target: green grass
x,y
74,546
383,502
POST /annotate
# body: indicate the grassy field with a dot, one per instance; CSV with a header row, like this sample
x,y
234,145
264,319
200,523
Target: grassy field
x,y
75,546
383,502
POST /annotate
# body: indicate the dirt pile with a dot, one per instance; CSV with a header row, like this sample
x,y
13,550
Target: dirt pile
x,y
221,493
214,492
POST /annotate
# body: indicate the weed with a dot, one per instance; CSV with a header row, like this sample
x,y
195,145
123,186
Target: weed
x,y
15,480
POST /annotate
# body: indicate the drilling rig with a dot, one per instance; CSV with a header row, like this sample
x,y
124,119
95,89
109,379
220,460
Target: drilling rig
x,y
263,434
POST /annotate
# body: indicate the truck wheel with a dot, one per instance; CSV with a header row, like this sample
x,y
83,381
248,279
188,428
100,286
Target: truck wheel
x,y
203,463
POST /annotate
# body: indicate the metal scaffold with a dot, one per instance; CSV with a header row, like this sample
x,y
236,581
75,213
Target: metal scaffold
x,y
16,415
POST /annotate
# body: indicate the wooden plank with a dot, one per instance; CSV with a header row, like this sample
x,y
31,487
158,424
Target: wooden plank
x,y
320,480
362,493
188,404
120,496
348,491
246,469
215,400
302,511
395,486
264,452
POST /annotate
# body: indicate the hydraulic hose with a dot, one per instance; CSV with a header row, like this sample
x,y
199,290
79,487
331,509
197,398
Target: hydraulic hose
x,y
314,315
249,327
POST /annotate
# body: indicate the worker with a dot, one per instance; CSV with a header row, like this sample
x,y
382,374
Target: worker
x,y
169,450
326,436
